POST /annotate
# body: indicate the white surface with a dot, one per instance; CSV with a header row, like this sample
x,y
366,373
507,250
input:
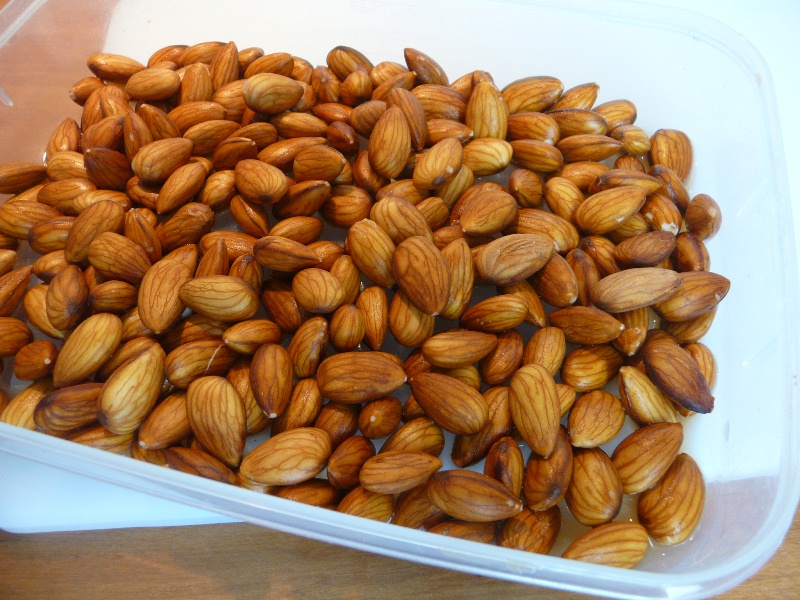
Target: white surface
x,y
771,27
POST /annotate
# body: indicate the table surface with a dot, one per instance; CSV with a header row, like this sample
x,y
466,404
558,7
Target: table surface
x,y
240,560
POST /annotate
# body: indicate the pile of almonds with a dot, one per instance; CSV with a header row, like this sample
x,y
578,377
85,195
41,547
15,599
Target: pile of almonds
x,y
231,241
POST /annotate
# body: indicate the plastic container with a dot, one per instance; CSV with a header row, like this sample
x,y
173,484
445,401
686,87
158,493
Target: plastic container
x,y
682,71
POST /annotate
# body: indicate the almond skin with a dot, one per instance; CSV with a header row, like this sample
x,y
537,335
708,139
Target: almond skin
x,y
197,462
633,288
271,378
513,258
546,480
671,510
535,408
220,297
532,531
472,496
675,373
390,143
283,254
160,305
289,457
394,472
452,404
642,458
91,343
457,348
216,414
355,377
613,544
347,460
131,391
271,93
595,491
421,272
595,419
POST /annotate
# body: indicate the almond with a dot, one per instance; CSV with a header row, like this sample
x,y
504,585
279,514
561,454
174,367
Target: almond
x,y
452,404
356,377
595,490
159,303
347,461
20,411
533,220
546,480
634,288
505,463
670,511
283,254
68,408
468,449
390,143
461,279
35,360
642,400
421,272
409,325
67,298
249,335
271,378
418,433
482,532
194,359
457,348
532,531
613,544
496,314
91,343
595,419
13,287
303,408
380,418
606,210
673,149
289,457
642,458
535,408
17,176
532,93
317,291
373,251
586,324
675,373
197,462
513,257
271,93
167,424
472,496
393,472
156,161
697,293
368,505
220,297
216,414
116,257
414,509
131,392
439,165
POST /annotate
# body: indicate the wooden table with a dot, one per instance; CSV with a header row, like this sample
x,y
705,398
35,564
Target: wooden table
x,y
245,561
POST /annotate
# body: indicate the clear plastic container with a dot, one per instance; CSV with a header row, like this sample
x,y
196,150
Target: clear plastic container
x,y
682,71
